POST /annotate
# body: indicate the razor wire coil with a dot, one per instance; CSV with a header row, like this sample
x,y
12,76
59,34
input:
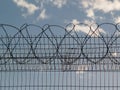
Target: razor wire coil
x,y
54,44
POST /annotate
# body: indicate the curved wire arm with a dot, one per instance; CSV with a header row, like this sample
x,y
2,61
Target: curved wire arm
x,y
58,45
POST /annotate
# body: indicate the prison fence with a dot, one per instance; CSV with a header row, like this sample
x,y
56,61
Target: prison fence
x,y
52,57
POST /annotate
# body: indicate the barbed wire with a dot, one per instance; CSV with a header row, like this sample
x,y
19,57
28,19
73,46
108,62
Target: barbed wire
x,y
54,44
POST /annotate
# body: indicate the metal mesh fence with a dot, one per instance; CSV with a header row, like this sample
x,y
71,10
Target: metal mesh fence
x,y
60,58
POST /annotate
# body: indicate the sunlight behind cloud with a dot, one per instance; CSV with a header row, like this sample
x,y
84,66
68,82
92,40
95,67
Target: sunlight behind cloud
x,y
114,54
81,69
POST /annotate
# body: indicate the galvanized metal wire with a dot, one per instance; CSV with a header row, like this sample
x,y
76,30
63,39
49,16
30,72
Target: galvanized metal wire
x,y
52,57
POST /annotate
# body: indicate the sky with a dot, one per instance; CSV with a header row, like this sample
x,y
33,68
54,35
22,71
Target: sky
x,y
61,12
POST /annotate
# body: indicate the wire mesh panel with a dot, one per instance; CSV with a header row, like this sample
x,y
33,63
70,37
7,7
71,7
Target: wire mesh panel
x,y
75,57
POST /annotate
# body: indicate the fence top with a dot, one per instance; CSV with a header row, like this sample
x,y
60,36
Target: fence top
x,y
53,47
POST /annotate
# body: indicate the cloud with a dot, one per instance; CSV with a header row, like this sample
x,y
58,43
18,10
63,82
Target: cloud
x,y
117,20
105,6
86,28
102,5
59,3
75,21
42,15
31,8
90,13
85,3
